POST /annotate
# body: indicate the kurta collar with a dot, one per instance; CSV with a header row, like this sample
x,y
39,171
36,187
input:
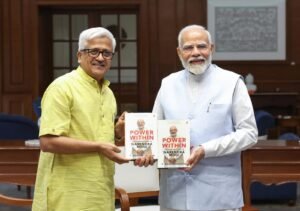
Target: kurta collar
x,y
193,77
82,74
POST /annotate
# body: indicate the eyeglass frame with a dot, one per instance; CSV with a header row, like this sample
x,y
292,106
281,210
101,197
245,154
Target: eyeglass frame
x,y
102,52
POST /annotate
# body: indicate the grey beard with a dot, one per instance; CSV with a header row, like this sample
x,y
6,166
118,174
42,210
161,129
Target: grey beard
x,y
196,69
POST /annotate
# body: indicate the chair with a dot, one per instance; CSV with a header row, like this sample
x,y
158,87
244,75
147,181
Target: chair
x,y
17,127
13,127
284,192
265,122
138,182
37,107
288,124
289,136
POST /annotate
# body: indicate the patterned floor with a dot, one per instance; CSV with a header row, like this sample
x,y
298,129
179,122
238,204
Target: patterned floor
x,y
274,206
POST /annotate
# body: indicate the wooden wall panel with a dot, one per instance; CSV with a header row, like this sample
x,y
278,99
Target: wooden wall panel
x,y
166,46
278,86
30,39
144,36
159,21
1,49
181,14
154,66
17,104
14,75
167,18
196,12
293,17
19,61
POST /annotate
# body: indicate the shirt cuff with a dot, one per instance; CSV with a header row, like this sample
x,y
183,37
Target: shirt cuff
x,y
208,150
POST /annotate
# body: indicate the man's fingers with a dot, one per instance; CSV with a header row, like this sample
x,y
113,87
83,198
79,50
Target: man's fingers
x,y
116,149
137,161
120,159
152,161
142,162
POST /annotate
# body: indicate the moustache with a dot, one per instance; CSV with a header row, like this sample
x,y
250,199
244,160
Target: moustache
x,y
102,63
196,59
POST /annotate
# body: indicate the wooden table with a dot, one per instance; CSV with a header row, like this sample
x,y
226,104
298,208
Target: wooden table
x,y
270,162
18,165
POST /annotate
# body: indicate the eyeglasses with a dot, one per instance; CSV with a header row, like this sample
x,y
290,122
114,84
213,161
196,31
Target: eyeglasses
x,y
190,48
95,52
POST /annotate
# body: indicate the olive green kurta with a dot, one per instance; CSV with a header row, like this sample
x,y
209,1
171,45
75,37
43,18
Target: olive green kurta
x,y
75,106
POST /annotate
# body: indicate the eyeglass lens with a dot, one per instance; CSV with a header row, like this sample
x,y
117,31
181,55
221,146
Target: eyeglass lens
x,y
96,52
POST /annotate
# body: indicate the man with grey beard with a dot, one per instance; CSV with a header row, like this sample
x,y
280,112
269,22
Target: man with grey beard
x,y
174,155
222,122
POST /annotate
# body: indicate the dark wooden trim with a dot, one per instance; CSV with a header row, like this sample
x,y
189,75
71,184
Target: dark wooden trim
x,y
86,2
143,52
153,63
45,73
1,48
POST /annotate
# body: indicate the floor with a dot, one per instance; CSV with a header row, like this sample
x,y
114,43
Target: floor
x,y
12,190
270,206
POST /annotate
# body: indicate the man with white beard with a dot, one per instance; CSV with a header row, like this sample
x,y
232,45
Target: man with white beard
x,y
173,154
220,111
141,146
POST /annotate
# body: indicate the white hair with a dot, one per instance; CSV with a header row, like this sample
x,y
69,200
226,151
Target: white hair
x,y
190,28
92,33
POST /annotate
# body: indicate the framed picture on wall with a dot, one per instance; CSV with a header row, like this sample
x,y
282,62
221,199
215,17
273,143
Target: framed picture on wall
x,y
247,29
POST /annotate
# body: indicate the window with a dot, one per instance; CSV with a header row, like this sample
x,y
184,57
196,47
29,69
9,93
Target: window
x,y
64,33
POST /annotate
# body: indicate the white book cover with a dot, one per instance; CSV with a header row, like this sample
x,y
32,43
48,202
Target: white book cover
x,y
140,135
173,143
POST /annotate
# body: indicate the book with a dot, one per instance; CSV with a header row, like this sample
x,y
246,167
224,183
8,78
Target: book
x,y
140,135
173,143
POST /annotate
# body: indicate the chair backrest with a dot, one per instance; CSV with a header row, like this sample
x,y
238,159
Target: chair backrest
x,y
137,181
17,127
264,121
289,136
37,106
